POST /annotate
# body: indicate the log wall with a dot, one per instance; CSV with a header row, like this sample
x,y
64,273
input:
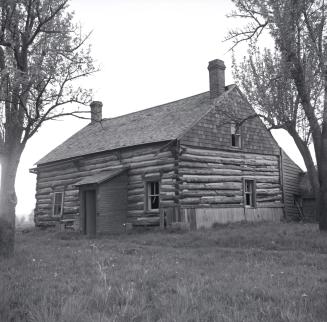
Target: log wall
x,y
213,179
143,161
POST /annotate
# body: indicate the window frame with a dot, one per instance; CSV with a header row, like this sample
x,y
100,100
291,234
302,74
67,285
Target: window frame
x,y
252,193
54,204
235,136
148,195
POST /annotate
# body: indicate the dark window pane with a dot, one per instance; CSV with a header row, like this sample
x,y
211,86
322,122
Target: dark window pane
x,y
233,140
57,203
155,202
58,198
248,186
249,193
247,199
153,195
57,210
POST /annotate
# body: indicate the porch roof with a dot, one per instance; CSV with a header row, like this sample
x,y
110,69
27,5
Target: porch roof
x,y
100,177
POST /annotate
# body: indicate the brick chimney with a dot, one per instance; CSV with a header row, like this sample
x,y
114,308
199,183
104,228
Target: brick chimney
x,y
216,77
96,111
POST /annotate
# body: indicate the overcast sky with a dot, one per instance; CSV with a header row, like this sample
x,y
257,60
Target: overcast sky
x,y
150,52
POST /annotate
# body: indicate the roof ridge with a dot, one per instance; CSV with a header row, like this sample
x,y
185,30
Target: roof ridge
x,y
149,108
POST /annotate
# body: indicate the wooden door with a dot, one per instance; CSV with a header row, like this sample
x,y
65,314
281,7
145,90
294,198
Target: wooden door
x,y
112,205
90,212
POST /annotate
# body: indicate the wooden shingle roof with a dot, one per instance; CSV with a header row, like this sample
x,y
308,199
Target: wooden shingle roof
x,y
157,124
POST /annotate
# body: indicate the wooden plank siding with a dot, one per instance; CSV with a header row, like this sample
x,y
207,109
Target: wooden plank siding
x,y
142,161
207,217
291,183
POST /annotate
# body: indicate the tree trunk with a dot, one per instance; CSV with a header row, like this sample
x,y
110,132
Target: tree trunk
x,y
311,168
322,162
322,168
8,201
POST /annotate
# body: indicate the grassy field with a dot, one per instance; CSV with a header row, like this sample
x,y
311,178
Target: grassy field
x,y
241,272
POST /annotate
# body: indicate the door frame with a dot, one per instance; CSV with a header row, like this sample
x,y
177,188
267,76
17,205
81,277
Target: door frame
x,y
83,220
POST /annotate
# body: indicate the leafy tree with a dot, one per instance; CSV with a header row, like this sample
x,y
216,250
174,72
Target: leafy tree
x,y
274,96
289,84
42,57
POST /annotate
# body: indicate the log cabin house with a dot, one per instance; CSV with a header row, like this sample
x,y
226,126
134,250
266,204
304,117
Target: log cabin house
x,y
173,164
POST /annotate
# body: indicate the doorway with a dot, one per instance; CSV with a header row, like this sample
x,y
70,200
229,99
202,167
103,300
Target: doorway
x,y
89,200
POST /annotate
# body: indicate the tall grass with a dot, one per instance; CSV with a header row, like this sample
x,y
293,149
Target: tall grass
x,y
261,272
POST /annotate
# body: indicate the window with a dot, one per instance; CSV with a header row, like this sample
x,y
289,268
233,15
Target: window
x,y
152,195
249,193
58,200
235,136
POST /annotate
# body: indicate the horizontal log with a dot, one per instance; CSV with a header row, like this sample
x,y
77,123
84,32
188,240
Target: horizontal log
x,y
44,204
136,191
192,200
168,176
205,193
135,213
68,165
135,206
222,199
147,170
212,186
237,154
58,184
267,191
166,204
206,165
270,198
71,204
276,204
168,188
98,159
135,185
135,198
232,161
147,156
210,178
267,185
210,171
44,191
189,157
168,198
261,173
167,181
